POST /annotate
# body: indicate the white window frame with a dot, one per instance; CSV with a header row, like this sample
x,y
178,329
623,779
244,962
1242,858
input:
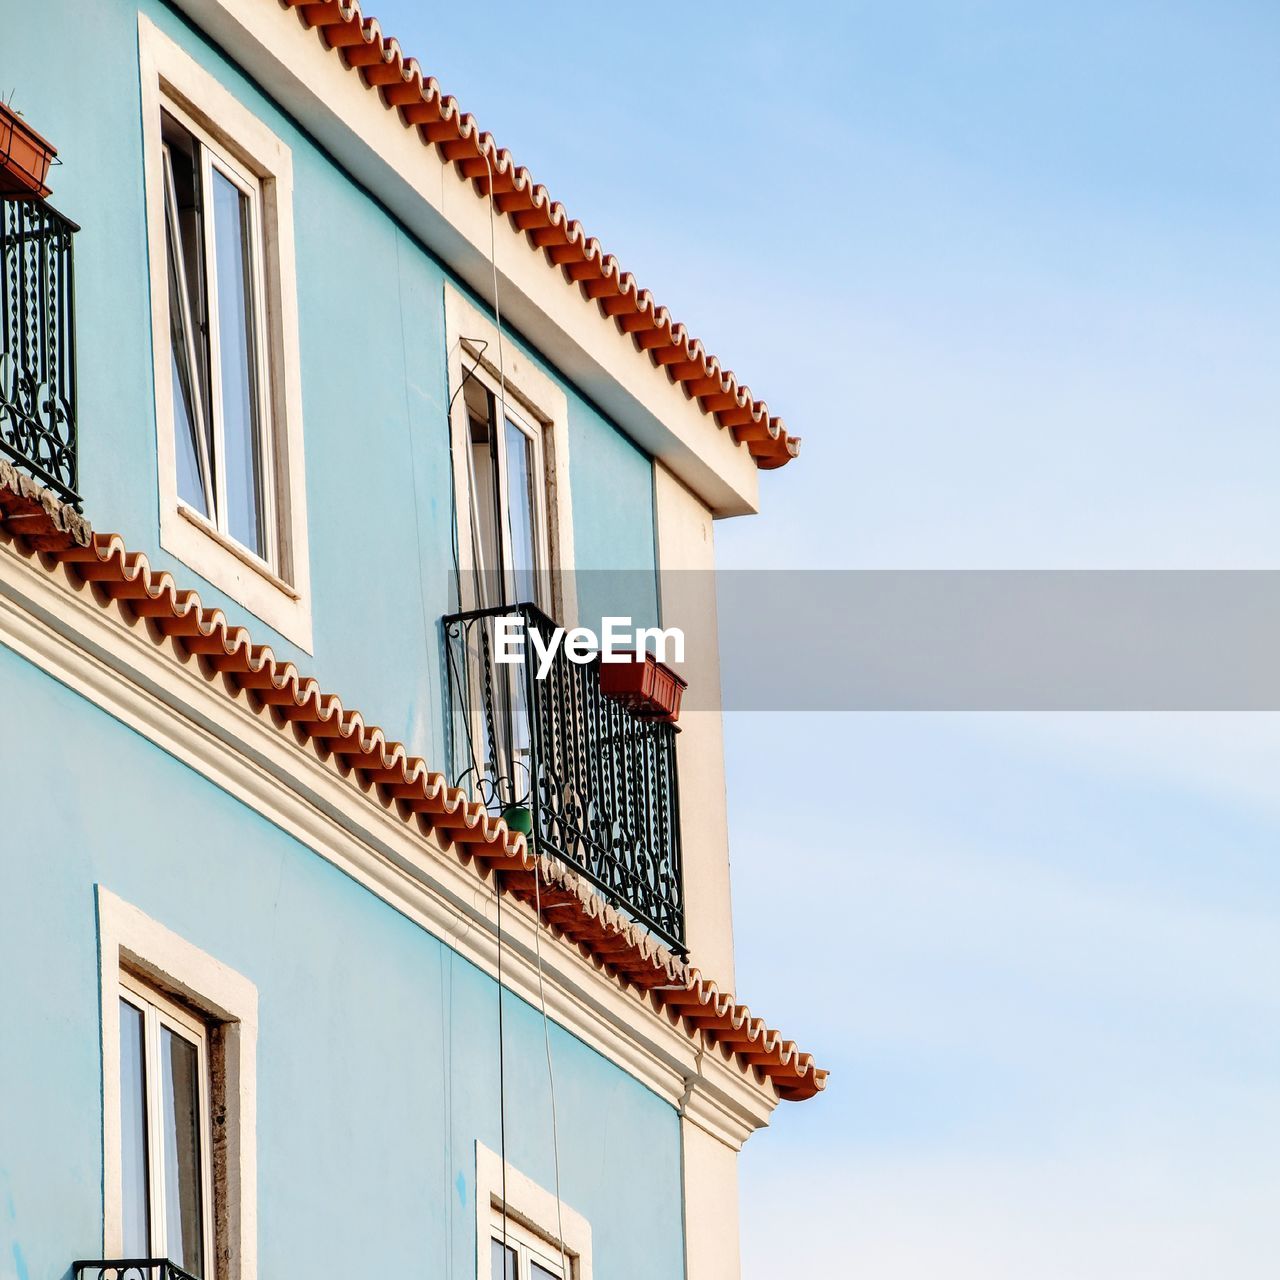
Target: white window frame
x,y
213,159
537,407
242,148
528,1245
159,1011
532,1216
135,950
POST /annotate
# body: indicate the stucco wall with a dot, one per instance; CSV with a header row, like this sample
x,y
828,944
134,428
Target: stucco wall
x,y
686,537
373,358
377,1052
712,1250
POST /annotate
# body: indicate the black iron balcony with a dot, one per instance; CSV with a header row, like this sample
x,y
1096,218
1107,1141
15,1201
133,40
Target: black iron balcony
x,y
594,782
38,344
129,1269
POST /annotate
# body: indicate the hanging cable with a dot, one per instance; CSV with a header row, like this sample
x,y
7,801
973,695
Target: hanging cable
x,y
502,1076
551,1075
497,311
497,883
500,426
537,875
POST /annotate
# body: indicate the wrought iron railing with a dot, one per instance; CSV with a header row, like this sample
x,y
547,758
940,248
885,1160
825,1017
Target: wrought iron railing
x,y
129,1269
38,344
595,782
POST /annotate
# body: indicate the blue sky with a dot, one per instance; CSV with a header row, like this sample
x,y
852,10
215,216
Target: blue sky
x,y
1011,272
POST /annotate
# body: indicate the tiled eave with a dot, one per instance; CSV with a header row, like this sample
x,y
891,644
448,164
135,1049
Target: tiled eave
x,y
439,122
382,773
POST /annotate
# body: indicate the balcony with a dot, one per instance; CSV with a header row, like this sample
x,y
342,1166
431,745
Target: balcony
x,y
129,1269
37,344
593,782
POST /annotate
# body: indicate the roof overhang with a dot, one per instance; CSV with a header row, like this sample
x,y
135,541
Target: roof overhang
x,y
443,209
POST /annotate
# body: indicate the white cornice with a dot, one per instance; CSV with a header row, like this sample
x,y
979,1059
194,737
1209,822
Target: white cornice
x,y
369,139
114,662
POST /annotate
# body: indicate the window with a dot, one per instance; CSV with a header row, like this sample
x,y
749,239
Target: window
x,y
228,387
179,1100
511,557
519,1237
508,499
166,1188
511,471
509,429
527,1256
222,422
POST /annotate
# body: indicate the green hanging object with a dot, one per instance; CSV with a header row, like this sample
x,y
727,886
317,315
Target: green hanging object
x,y
518,818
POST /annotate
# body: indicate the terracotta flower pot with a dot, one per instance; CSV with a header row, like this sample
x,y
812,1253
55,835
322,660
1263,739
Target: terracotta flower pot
x,y
25,158
645,685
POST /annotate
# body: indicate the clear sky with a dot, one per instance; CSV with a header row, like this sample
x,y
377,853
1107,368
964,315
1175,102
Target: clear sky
x,y
1011,271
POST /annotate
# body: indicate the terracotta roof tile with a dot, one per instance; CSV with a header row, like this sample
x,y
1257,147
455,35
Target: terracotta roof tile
x,y
38,524
441,123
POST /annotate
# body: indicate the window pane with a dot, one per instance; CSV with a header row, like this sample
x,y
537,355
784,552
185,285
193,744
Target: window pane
x,y
188,348
180,1104
190,479
512,1269
524,563
539,1272
484,505
136,1220
236,344
521,509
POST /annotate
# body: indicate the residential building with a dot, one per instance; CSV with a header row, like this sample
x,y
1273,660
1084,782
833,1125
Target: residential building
x,y
331,945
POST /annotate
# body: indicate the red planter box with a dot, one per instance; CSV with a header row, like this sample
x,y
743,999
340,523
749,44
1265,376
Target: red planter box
x,y
25,158
645,685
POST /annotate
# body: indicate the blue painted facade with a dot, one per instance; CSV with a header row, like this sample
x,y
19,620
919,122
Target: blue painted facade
x,y
377,1050
374,378
377,1057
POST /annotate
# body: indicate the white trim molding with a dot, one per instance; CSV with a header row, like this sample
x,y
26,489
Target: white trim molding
x,y
132,942
279,594
531,1207
102,653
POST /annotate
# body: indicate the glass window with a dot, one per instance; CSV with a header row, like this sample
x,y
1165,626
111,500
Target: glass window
x,y
486,498
133,1133
526,1255
510,553
221,401
164,1115
509,536
522,512
180,1104
512,1269
242,432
